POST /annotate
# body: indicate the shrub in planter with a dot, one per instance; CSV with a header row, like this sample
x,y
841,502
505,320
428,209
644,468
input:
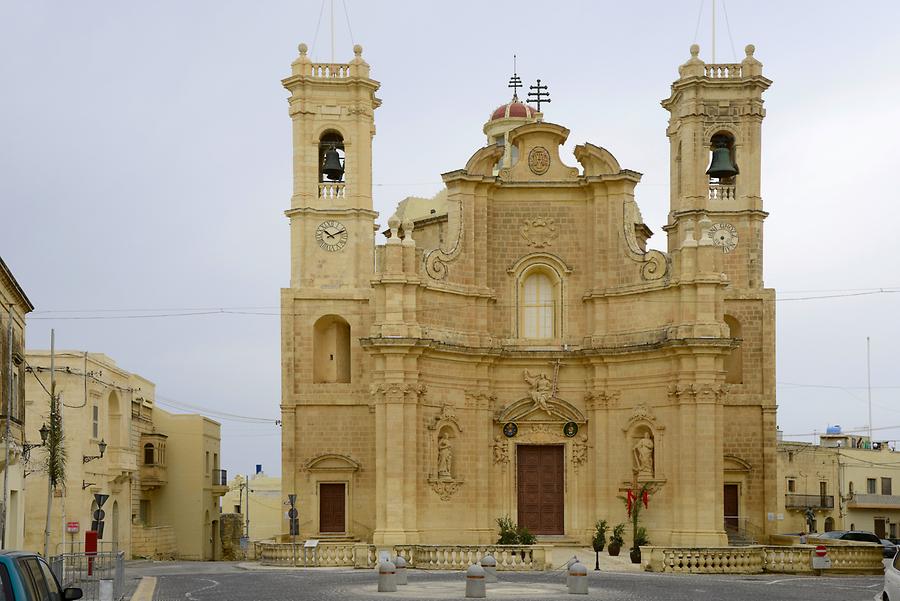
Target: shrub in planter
x,y
599,539
616,540
640,540
508,535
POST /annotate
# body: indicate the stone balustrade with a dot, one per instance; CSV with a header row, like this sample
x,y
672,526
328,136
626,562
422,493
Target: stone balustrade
x,y
755,559
723,71
334,70
332,189
721,192
422,557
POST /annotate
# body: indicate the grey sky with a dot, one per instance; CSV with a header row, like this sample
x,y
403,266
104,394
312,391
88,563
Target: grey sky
x,y
145,164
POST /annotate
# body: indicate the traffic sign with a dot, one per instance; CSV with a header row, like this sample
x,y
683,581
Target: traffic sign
x,y
72,527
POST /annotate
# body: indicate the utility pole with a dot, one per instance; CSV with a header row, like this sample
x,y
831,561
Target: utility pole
x,y
54,438
869,386
9,399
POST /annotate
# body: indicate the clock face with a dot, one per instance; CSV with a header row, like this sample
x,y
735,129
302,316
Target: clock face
x,y
331,235
724,235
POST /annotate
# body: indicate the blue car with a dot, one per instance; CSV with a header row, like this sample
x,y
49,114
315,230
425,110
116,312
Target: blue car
x,y
27,577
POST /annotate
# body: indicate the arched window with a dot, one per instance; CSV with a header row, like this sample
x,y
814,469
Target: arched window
x,y
331,350
538,304
331,165
722,158
734,363
149,458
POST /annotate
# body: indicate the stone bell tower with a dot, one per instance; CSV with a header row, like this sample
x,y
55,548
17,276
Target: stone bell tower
x,y
715,137
325,310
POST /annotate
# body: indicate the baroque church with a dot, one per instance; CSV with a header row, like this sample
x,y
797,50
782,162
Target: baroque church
x,y
515,348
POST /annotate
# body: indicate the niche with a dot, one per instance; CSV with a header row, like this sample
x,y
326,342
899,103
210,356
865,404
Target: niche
x,y
331,350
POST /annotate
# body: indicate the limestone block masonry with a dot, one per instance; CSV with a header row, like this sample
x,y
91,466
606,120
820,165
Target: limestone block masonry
x,y
515,347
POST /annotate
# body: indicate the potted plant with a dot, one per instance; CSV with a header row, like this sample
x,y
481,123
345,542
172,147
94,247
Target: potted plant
x,y
508,535
616,540
640,540
599,540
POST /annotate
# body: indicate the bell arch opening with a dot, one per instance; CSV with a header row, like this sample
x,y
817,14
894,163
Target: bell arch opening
x,y
331,350
332,157
722,158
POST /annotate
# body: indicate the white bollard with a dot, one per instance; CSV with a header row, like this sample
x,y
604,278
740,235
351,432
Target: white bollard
x,y
400,566
577,580
490,568
106,589
572,561
475,588
387,581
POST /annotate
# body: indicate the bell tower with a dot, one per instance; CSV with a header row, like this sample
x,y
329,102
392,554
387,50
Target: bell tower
x,y
332,108
715,123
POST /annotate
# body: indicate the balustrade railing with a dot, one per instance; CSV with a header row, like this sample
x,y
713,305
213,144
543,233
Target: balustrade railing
x,y
721,192
332,189
723,70
813,501
788,559
330,70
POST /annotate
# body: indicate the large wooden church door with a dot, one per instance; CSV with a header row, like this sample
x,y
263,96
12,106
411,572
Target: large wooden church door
x,y
540,487
331,508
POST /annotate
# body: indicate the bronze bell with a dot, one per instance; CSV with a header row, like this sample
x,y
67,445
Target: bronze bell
x,y
332,167
721,165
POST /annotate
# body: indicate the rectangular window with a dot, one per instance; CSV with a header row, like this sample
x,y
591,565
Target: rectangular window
x,y
870,486
538,307
823,489
16,404
145,512
215,461
886,486
792,485
207,465
95,421
894,530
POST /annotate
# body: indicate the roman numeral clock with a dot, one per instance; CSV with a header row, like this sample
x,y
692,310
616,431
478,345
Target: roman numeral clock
x,y
331,235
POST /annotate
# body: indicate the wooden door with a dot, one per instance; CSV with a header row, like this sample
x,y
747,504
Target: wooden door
x,y
732,521
540,488
331,508
880,529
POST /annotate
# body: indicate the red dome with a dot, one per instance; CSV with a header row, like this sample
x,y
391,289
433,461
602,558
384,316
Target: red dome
x,y
513,109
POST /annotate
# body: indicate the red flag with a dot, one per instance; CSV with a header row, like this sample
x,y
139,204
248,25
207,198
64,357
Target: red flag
x,y
630,498
645,498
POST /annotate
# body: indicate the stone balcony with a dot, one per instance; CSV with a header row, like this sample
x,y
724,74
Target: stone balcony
x,y
153,476
795,501
868,501
219,482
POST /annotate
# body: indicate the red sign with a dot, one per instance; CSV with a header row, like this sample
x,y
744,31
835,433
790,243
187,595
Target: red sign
x,y
821,551
72,527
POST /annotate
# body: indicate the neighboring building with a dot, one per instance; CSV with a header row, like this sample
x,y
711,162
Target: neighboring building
x,y
14,305
266,507
515,348
163,497
810,480
868,474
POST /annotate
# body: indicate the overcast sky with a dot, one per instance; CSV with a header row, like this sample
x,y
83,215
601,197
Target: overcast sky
x,y
145,166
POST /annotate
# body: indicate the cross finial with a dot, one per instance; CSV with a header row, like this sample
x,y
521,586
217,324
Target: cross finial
x,y
515,82
538,94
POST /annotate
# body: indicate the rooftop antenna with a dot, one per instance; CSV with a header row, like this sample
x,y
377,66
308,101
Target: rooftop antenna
x,y
538,94
515,82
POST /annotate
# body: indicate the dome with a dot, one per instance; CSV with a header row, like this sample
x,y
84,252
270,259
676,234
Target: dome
x,y
513,109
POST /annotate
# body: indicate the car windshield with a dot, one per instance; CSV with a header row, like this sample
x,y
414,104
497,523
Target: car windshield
x,y
832,534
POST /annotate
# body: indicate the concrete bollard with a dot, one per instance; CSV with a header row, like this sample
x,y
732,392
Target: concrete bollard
x,y
490,568
572,561
577,579
400,566
106,589
475,588
387,577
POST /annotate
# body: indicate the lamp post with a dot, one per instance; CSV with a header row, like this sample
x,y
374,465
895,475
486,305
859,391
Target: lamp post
x,y
26,447
88,458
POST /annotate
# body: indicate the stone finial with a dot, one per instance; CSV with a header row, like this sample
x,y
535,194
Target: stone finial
x,y
303,48
394,226
694,66
750,66
408,227
357,50
299,66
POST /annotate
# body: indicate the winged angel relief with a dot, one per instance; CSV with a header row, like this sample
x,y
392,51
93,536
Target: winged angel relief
x,y
541,389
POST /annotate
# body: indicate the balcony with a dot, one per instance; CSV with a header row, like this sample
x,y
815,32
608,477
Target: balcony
x,y
219,482
794,501
121,461
153,476
866,501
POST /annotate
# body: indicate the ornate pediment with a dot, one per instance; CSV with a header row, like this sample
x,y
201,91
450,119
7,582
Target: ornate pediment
x,y
556,411
331,462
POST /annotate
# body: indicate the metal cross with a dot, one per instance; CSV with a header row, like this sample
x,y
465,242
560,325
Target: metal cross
x,y
538,94
515,82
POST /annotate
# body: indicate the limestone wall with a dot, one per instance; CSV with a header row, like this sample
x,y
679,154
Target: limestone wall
x,y
156,542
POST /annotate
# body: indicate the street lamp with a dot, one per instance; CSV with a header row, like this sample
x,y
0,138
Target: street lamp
x,y
102,446
26,447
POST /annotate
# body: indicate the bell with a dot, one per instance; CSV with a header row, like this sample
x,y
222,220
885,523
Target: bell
x,y
332,168
721,166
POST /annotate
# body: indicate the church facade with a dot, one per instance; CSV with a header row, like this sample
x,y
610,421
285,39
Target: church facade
x,y
515,348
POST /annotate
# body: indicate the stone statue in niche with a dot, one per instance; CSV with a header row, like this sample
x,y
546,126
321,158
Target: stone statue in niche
x,y
445,458
642,454
541,389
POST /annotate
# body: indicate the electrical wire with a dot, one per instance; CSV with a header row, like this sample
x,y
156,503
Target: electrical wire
x,y
699,16
728,28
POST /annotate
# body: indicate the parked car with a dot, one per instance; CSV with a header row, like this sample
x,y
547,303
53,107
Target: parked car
x,y
27,577
889,548
892,581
